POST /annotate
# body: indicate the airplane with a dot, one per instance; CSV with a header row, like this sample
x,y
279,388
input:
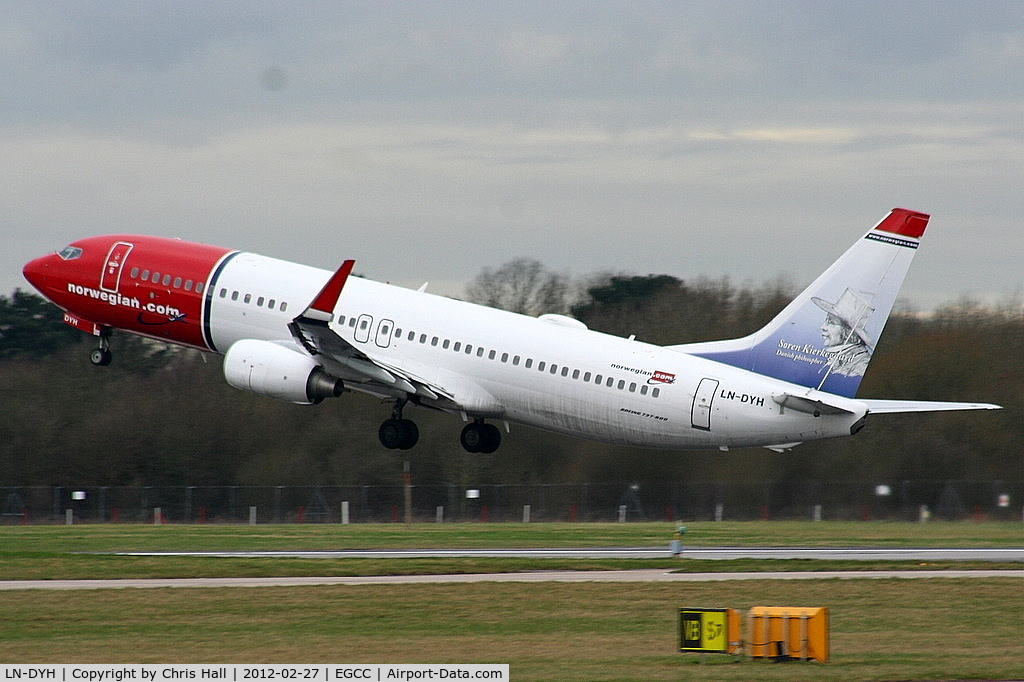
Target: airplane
x,y
302,334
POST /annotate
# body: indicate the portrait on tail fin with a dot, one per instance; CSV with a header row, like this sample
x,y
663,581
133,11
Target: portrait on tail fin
x,y
847,344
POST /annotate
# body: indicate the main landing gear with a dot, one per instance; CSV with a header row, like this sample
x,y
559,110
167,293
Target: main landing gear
x,y
398,433
480,437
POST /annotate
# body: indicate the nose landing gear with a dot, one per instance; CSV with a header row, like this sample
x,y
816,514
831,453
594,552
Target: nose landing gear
x,y
102,356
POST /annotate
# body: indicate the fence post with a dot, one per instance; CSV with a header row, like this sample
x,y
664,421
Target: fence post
x,y
344,513
252,516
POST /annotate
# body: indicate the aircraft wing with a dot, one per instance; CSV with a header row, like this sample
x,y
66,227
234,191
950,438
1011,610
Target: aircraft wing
x,y
313,332
896,406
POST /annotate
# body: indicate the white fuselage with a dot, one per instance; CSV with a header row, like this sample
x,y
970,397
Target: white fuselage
x,y
544,372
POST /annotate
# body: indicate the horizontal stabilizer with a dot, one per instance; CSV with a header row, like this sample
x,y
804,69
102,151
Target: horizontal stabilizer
x,y
809,405
897,406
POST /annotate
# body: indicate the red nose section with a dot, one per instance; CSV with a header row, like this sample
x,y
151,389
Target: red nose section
x,y
36,272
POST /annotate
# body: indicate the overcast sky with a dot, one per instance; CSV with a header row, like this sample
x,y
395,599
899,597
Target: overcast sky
x,y
429,140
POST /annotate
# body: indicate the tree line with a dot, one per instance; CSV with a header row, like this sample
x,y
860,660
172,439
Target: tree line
x,y
163,416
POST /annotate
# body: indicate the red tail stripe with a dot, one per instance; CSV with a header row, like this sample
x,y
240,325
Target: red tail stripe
x,y
905,222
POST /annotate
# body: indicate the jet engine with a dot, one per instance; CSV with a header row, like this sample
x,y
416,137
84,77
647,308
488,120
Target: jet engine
x,y
277,371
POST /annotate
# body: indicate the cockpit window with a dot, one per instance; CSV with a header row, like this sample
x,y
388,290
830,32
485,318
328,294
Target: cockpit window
x,y
70,253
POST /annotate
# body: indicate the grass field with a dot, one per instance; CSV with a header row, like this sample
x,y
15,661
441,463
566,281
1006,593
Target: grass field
x,y
880,629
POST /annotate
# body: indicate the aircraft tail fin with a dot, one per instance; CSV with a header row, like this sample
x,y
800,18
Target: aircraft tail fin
x,y
825,337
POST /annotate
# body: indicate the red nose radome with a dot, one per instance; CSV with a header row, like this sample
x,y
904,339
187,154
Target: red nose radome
x,y
35,272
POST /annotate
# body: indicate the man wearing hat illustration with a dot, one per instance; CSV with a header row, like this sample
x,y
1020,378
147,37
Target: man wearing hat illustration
x,y
846,341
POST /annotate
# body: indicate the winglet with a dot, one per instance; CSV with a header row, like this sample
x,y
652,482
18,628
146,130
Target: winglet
x,y
323,305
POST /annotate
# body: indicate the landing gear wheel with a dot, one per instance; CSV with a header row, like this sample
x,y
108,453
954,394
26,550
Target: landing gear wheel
x,y
101,357
398,434
480,437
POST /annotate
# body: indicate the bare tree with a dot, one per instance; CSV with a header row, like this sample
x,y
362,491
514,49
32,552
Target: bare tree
x,y
523,286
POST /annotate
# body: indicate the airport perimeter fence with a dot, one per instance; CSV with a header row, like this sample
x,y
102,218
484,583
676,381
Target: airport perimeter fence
x,y
689,501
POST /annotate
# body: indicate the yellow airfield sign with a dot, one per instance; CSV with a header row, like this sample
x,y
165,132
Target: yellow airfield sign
x,y
713,631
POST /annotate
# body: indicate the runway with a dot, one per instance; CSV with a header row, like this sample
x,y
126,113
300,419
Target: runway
x,y
641,575
921,554
924,554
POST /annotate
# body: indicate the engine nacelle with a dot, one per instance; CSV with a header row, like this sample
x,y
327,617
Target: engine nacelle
x,y
276,371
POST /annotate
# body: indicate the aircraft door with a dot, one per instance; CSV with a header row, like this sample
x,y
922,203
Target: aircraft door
x,y
384,330
110,278
700,413
363,325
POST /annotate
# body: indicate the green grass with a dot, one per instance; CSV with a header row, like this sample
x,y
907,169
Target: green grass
x,y
880,629
118,537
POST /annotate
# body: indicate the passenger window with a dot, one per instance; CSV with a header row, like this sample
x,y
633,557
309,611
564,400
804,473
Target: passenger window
x,y
504,357
364,324
188,285
412,336
575,374
565,371
134,273
586,377
622,384
145,275
284,306
655,392
492,355
610,382
167,280
643,390
632,387
480,352
234,295
433,341
271,304
223,293
457,347
598,379
515,361
155,279
529,363
177,282
541,365
554,369
259,302
423,338
446,344
199,287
